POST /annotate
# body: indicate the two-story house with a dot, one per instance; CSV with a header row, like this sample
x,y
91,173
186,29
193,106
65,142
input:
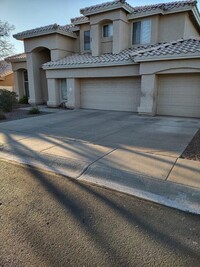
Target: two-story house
x,y
116,57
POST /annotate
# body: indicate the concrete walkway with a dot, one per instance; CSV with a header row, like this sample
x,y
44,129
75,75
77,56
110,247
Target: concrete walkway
x,y
119,150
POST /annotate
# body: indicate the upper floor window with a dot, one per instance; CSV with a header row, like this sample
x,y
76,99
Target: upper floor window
x,y
87,40
108,30
141,32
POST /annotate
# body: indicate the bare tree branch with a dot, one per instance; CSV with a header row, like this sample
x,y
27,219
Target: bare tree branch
x,y
6,46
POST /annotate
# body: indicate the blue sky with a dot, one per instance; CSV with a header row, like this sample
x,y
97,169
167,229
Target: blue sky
x,y
29,14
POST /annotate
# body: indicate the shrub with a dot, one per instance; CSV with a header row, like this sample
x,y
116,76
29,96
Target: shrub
x,y
23,100
7,100
2,116
34,110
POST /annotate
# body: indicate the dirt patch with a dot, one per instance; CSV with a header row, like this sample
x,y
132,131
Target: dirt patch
x,y
18,114
192,151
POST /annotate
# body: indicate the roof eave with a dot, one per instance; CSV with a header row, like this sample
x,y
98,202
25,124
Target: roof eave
x,y
167,57
15,60
106,9
32,35
79,66
159,12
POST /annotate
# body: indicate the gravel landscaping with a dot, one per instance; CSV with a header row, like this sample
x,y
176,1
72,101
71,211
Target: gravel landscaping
x,y
192,151
18,114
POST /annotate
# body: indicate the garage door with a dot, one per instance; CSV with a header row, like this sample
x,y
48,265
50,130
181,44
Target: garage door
x,y
121,94
179,95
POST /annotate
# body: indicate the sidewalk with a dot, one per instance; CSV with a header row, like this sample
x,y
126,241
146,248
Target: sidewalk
x,y
164,179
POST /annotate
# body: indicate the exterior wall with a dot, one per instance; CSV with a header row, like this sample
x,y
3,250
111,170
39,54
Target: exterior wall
x,y
190,30
7,81
53,42
171,27
120,39
114,71
74,76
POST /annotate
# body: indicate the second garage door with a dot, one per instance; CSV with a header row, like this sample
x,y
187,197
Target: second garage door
x,y
179,95
122,94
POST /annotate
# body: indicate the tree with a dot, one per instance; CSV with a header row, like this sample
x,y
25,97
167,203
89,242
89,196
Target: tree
x,y
6,46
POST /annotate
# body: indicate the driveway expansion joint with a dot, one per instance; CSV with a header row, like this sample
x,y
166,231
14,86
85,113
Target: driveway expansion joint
x,y
89,165
171,169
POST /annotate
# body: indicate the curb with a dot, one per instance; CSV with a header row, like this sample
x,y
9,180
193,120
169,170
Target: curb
x,y
162,192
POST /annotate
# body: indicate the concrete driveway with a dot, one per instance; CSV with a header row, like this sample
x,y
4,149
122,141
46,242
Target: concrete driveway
x,y
116,149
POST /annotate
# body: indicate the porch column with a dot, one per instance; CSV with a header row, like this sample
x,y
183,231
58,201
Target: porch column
x,y
19,87
34,80
149,95
73,93
53,93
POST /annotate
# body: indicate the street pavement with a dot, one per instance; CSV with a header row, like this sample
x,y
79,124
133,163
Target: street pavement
x,y
50,220
134,154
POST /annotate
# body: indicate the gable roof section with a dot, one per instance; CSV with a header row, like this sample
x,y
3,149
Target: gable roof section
x,y
112,5
162,8
172,50
87,60
67,30
5,69
17,57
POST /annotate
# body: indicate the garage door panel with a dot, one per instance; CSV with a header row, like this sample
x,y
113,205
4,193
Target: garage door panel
x,y
179,95
121,94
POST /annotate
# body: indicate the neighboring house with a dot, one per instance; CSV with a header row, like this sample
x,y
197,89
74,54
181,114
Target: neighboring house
x,y
118,57
6,76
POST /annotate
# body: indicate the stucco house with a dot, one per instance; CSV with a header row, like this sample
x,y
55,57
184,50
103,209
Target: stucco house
x,y
114,56
6,76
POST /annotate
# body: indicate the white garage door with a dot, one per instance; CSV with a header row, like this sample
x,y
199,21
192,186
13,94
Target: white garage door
x,y
179,95
121,94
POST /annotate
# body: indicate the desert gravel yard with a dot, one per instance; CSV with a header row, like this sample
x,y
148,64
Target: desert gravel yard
x,y
17,114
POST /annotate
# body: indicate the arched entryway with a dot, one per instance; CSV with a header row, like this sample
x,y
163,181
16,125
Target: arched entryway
x,y
38,86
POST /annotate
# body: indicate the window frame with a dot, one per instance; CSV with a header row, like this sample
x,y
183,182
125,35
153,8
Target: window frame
x,y
62,83
141,28
109,25
84,41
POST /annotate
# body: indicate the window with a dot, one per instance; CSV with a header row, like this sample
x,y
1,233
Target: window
x,y
108,30
26,87
141,32
63,87
86,40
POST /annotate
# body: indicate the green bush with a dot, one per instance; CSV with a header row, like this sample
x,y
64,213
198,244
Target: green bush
x,y
2,116
7,100
23,100
34,110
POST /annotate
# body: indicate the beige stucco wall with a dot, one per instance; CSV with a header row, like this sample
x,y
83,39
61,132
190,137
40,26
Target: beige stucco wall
x,y
190,30
171,27
115,71
54,42
121,35
170,66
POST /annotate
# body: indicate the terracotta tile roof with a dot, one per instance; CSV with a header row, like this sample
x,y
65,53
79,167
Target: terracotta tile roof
x,y
5,69
172,49
80,20
16,57
88,59
106,6
66,29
